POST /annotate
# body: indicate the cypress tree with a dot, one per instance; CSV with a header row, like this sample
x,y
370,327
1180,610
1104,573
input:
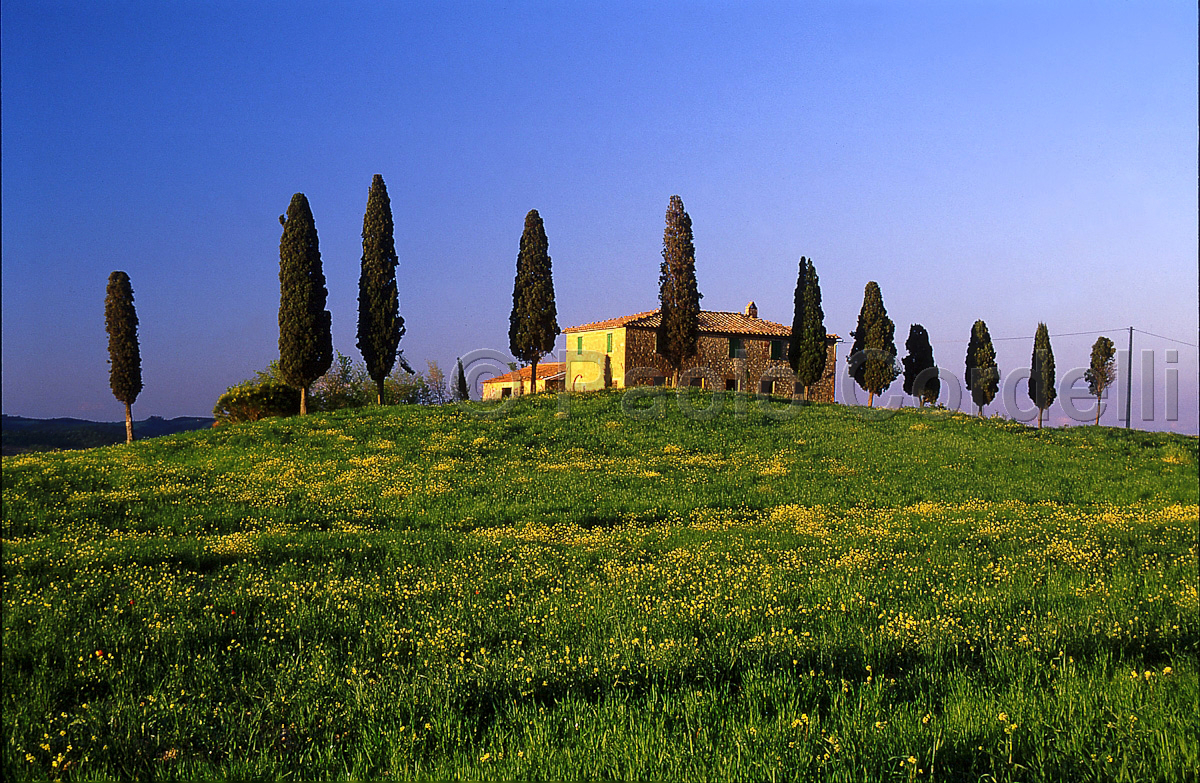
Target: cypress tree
x,y
983,376
920,372
807,352
1101,373
121,322
305,341
678,296
533,323
462,392
380,326
872,357
1041,372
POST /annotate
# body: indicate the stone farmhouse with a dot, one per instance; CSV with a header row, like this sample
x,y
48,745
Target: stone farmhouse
x,y
735,351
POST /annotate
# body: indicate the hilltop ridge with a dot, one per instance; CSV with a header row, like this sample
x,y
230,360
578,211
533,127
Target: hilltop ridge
x,y
600,458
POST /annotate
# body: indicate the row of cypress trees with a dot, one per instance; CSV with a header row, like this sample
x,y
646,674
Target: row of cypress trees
x,y
679,304
306,343
305,337
533,325
873,366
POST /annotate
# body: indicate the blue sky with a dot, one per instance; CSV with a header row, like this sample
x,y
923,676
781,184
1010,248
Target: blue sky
x,y
1011,161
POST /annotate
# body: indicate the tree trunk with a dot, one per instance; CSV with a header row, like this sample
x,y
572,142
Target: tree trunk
x,y
1097,410
379,391
533,377
806,397
1040,418
870,398
128,423
303,400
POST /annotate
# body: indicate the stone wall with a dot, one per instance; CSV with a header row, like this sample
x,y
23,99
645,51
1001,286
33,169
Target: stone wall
x,y
712,364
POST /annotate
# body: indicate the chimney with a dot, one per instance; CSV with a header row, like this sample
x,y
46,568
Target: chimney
x,y
752,310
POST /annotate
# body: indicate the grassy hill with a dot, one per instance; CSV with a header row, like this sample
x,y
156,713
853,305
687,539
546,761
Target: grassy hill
x,y
603,588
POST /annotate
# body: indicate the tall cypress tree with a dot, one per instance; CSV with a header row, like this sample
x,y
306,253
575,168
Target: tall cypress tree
x,y
462,392
121,322
305,341
678,295
1101,373
380,326
983,376
920,372
807,351
1041,372
533,323
872,357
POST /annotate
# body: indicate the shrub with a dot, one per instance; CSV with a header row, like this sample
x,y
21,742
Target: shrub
x,y
251,401
405,388
347,384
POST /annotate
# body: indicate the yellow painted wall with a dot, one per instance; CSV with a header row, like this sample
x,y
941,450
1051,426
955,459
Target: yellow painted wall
x,y
586,372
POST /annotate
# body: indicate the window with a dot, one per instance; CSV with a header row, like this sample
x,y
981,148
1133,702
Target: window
x,y
579,345
766,387
730,384
736,349
608,349
696,382
506,392
777,349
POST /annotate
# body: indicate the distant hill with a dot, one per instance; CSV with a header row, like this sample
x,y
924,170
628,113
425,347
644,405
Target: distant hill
x,y
19,434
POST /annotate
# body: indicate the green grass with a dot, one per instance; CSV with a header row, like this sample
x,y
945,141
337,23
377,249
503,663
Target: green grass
x,y
582,589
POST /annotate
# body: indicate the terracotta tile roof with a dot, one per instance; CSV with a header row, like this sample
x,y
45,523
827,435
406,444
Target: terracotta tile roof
x,y
546,371
711,322
611,323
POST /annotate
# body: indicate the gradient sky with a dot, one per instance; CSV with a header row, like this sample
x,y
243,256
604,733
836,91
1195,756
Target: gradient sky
x,y
1011,161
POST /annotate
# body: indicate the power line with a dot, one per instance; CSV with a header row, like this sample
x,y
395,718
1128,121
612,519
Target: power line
x,y
1061,334
1076,334
1169,339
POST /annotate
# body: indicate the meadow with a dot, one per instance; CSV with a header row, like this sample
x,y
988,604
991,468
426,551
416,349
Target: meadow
x,y
593,588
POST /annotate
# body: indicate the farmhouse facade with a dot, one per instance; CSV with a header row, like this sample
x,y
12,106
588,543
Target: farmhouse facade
x,y
734,351
549,378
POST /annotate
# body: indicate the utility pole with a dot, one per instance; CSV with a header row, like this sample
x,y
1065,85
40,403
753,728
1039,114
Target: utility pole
x,y
1129,383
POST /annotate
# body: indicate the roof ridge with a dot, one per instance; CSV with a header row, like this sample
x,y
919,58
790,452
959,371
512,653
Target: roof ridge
x,y
711,321
546,370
